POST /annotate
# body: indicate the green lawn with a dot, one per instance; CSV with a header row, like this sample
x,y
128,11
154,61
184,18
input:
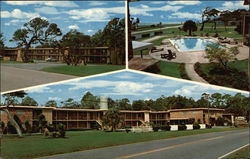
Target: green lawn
x,y
243,153
149,27
169,69
35,146
236,77
83,70
230,33
239,65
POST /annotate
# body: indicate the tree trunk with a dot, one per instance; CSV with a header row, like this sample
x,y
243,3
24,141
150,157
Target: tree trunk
x,y
25,57
214,25
202,26
13,123
189,32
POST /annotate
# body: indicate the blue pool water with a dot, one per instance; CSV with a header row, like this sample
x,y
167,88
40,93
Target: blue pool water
x,y
191,44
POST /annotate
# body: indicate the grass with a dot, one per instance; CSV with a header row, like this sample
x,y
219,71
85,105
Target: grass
x,y
239,65
243,153
230,33
236,77
169,69
149,27
36,146
83,70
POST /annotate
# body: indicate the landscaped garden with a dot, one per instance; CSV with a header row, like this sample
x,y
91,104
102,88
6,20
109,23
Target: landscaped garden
x,y
213,29
38,145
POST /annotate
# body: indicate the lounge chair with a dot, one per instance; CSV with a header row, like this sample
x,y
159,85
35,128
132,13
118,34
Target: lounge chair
x,y
164,56
171,54
154,49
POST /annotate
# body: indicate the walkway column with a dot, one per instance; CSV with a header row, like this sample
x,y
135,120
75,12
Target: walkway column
x,y
19,55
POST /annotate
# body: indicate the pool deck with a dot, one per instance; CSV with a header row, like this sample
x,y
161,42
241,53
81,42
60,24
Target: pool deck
x,y
192,57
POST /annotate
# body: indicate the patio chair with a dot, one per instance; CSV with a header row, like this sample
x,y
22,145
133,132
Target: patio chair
x,y
154,49
171,54
164,56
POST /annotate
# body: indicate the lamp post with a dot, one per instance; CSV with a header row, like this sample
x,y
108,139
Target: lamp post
x,y
206,97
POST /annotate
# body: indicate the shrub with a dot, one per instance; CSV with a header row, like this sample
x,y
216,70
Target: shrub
x,y
191,121
61,130
156,127
182,127
27,126
196,126
208,126
153,68
165,127
11,129
220,121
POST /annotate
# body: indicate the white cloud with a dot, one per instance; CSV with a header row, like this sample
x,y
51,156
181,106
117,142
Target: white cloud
x,y
233,5
114,87
17,13
14,22
40,90
144,6
55,98
194,90
47,10
158,2
97,3
74,27
144,10
90,31
184,15
47,3
194,2
95,14
125,76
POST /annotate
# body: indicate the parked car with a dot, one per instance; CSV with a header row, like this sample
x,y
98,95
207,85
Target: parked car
x,y
51,60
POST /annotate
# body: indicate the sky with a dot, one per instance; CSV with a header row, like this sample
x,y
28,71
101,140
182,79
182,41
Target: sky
x,y
85,16
123,84
177,11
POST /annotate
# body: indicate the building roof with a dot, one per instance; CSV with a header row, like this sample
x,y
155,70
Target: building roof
x,y
141,45
195,109
95,110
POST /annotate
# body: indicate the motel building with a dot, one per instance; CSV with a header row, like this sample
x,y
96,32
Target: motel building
x,y
92,118
90,55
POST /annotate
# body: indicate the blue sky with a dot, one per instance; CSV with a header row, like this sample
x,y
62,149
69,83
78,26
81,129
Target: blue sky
x,y
85,16
122,84
177,11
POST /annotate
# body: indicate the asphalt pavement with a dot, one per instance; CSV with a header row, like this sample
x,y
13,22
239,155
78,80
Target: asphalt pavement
x,y
204,146
13,78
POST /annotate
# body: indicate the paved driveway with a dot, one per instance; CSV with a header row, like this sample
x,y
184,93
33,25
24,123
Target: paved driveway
x,y
205,146
17,78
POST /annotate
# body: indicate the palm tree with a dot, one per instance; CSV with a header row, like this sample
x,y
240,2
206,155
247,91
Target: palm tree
x,y
225,16
189,26
213,13
112,118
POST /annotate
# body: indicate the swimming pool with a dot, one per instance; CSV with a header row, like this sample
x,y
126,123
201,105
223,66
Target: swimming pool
x,y
191,44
